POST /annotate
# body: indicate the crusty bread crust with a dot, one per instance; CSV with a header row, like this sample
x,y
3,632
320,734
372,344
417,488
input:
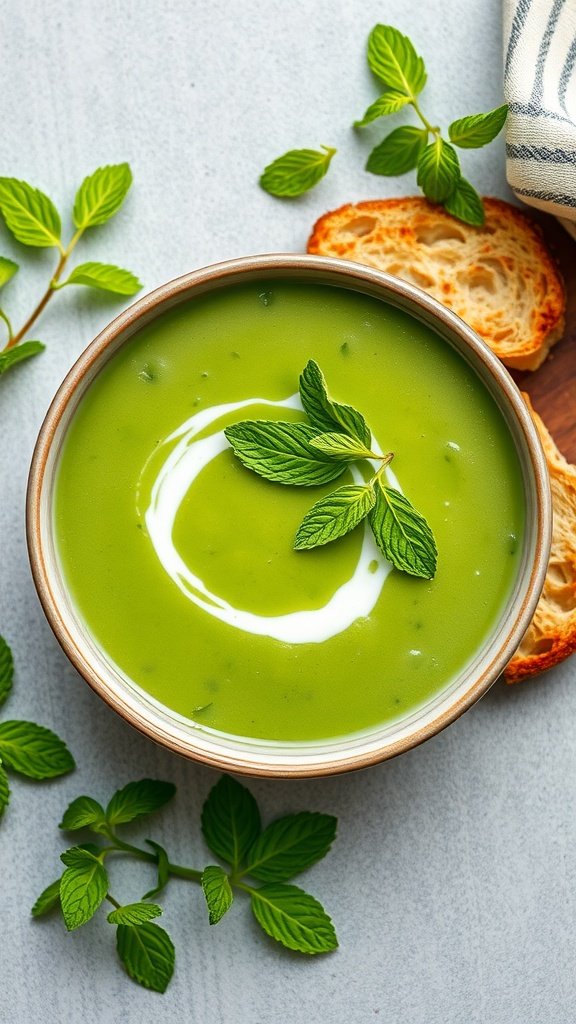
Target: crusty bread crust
x,y
500,278
551,636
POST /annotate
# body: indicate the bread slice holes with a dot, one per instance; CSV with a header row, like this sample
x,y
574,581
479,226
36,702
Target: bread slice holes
x,y
496,266
542,646
415,276
433,233
561,574
360,226
479,278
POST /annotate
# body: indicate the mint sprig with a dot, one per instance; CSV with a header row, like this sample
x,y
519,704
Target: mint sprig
x,y
394,61
305,455
26,748
32,218
231,824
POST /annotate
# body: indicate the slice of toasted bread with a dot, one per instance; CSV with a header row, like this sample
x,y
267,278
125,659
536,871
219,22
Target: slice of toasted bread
x,y
551,636
500,278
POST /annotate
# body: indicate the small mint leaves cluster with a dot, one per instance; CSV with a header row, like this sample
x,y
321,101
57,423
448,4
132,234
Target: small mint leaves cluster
x,y
232,829
394,61
314,453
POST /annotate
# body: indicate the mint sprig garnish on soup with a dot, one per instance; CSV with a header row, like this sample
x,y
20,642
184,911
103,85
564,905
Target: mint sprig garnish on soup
x,y
182,561
291,453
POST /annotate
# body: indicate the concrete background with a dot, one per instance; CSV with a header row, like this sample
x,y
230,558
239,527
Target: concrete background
x,y
453,880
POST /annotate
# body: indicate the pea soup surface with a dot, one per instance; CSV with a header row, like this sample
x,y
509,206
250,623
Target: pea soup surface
x,y
190,584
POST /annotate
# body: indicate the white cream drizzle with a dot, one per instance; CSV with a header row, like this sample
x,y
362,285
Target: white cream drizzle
x,y
353,600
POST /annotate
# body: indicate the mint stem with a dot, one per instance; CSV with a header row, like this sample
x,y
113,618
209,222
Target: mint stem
x,y
385,461
425,122
15,338
4,317
178,870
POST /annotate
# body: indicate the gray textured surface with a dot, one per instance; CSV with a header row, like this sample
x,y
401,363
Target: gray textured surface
x,y
453,881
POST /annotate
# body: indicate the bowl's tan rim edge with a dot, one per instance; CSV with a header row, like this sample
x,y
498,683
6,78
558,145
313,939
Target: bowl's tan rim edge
x,y
290,263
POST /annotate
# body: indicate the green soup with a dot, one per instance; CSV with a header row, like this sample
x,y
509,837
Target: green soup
x,y
231,533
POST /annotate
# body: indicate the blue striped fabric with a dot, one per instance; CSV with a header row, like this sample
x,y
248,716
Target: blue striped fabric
x,y
540,88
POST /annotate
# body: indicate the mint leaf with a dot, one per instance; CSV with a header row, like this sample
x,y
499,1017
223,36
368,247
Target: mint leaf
x,y
7,270
217,892
47,900
134,913
438,170
101,195
230,820
83,812
33,750
83,886
402,534
342,447
399,152
390,103
6,670
29,214
290,845
163,869
334,516
465,204
296,171
19,353
478,129
281,452
294,918
104,276
325,414
137,799
4,790
393,59
148,955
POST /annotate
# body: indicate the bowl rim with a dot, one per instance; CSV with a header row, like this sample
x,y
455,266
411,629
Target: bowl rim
x,y
352,276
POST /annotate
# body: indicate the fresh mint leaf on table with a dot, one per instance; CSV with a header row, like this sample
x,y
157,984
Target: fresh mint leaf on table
x,y
393,60
296,171
26,748
232,828
398,152
217,892
83,886
305,455
134,913
104,276
147,952
138,799
478,129
33,220
33,750
438,170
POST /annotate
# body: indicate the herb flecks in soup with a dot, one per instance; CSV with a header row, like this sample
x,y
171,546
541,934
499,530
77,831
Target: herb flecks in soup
x,y
187,577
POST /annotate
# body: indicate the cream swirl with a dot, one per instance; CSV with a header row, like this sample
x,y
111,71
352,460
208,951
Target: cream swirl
x,y
354,599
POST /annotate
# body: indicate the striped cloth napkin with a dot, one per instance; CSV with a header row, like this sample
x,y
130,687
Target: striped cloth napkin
x,y
540,87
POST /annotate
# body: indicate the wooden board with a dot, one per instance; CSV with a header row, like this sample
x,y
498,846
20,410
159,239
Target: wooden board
x,y
552,388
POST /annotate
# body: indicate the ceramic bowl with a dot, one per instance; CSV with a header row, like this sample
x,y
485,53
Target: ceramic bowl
x,y
260,757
